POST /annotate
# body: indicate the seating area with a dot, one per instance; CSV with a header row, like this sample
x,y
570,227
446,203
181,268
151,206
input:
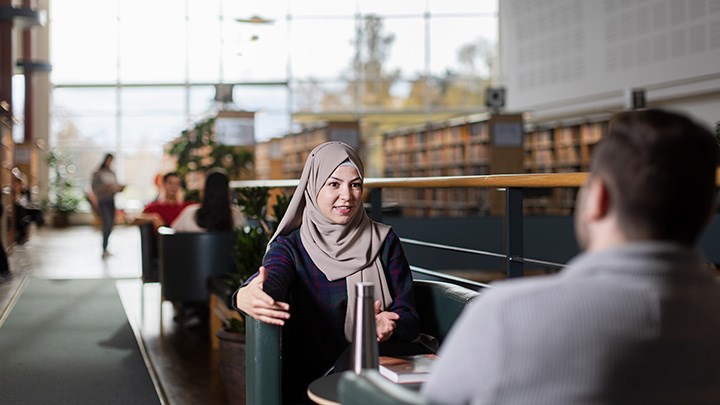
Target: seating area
x,y
189,260
565,151
439,305
189,268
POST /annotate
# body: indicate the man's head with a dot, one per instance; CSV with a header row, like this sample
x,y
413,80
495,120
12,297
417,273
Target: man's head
x,y
173,186
651,178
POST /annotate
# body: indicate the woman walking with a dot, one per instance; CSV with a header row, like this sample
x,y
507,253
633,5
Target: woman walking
x,y
104,187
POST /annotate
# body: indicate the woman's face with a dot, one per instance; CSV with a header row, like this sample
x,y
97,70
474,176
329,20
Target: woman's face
x,y
341,195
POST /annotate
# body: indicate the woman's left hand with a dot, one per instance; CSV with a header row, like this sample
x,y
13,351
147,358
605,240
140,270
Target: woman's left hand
x,y
384,322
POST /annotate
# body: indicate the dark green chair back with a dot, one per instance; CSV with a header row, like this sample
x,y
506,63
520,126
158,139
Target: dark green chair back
x,y
439,304
149,253
188,259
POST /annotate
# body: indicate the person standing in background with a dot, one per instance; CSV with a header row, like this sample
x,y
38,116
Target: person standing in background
x,y
104,186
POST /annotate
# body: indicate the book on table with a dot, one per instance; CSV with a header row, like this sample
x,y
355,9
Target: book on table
x,y
407,369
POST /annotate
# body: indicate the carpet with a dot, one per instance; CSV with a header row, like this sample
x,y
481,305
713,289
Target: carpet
x,y
69,342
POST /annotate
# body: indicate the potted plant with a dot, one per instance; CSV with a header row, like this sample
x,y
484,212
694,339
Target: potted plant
x,y
250,243
63,197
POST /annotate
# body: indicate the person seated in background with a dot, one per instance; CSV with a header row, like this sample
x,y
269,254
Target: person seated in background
x,y
164,210
160,212
216,213
634,318
26,211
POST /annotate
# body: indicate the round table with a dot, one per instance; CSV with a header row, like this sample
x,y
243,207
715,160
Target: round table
x,y
324,390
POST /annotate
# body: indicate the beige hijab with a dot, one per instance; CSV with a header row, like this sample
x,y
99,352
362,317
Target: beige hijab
x,y
350,251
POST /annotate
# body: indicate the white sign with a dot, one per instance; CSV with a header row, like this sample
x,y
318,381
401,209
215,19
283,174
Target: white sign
x,y
235,131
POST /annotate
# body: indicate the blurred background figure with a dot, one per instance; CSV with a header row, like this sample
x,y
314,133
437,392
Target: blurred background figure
x,y
4,266
215,213
26,211
104,187
169,204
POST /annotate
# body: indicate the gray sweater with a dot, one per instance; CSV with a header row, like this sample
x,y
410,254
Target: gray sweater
x,y
638,324
104,184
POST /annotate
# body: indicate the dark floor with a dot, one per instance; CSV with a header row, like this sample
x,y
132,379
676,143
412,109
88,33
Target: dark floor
x,y
182,360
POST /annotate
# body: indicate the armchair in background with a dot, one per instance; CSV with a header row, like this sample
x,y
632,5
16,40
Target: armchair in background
x,y
188,259
148,253
439,304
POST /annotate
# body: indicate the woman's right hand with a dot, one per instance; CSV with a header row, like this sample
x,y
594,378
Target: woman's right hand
x,y
255,302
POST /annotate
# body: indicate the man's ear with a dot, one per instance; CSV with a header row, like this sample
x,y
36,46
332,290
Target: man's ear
x,y
598,199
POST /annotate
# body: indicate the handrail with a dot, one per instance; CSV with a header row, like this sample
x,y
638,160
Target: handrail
x,y
479,252
531,180
450,278
513,184
451,248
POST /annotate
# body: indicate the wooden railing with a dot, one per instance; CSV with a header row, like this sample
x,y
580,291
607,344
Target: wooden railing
x,y
535,180
512,184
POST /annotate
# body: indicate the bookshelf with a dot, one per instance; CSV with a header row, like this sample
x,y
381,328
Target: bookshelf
x,y
284,157
295,147
269,166
473,145
269,159
559,147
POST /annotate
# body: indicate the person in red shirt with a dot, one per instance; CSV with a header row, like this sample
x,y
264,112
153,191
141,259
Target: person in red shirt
x,y
170,203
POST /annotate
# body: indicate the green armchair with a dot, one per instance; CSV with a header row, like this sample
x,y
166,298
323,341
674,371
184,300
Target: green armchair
x,y
438,303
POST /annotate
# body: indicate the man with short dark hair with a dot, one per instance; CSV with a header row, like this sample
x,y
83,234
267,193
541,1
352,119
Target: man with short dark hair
x,y
169,204
635,318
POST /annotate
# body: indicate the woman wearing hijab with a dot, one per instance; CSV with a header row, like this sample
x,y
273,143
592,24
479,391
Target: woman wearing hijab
x,y
323,246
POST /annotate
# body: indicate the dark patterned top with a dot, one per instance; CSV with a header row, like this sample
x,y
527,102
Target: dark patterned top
x,y
314,336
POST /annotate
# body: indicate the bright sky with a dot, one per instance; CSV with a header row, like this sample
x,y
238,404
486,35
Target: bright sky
x,y
151,44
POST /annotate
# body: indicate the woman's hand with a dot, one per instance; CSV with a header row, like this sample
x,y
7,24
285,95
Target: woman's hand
x,y
255,302
384,322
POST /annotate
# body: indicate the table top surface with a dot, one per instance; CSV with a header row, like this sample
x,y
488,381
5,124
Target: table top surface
x,y
325,390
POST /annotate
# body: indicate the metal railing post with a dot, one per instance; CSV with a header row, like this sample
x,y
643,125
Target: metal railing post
x,y
514,232
376,204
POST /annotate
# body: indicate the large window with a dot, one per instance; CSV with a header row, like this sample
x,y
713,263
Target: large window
x,y
129,75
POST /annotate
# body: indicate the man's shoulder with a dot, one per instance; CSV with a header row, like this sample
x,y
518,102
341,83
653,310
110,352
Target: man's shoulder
x,y
528,287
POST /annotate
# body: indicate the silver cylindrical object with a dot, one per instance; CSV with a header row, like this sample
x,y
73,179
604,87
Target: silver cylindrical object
x,y
365,346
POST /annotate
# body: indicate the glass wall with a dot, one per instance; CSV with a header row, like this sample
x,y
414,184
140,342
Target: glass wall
x,y
129,75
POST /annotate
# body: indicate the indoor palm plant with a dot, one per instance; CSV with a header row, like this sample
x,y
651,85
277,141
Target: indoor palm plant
x,y
63,197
